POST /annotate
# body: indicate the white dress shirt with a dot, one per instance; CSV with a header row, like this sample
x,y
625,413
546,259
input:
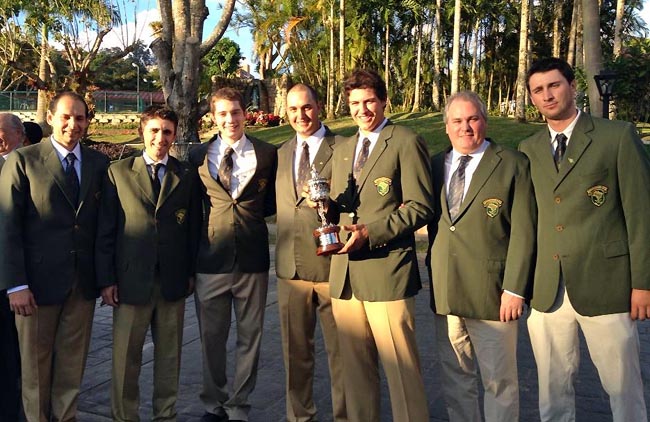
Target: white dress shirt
x,y
314,141
244,163
372,137
453,160
567,132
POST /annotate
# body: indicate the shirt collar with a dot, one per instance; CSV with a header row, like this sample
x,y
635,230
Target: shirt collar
x,y
62,152
374,135
149,161
312,140
455,155
238,147
567,130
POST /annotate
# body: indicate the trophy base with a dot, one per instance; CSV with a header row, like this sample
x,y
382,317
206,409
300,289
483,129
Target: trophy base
x,y
328,240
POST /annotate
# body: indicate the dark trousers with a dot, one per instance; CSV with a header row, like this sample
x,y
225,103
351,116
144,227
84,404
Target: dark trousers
x,y
9,363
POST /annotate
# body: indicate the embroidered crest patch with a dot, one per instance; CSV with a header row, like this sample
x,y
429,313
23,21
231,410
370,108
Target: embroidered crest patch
x,y
180,215
262,184
383,185
597,194
492,206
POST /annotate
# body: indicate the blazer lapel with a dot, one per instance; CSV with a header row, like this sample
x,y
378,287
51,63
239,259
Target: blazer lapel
x,y
286,161
142,178
486,166
438,176
169,181
55,168
379,148
577,145
325,151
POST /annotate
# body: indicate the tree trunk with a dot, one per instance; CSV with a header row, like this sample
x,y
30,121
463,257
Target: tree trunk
x,y
455,67
593,53
579,59
489,93
331,80
618,27
520,111
387,63
473,75
418,71
557,15
573,34
340,106
437,31
43,74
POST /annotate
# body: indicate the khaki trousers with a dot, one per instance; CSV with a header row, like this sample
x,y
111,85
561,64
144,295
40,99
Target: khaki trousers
x,y
300,302
385,330
130,324
493,344
613,343
54,344
216,294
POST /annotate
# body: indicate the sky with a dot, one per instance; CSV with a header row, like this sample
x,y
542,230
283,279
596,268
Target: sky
x,y
139,13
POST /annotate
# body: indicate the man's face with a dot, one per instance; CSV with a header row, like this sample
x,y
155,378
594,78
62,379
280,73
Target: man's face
x,y
158,135
230,120
10,137
366,109
69,122
302,111
553,95
465,126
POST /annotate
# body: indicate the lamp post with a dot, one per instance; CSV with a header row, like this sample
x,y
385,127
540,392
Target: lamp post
x,y
137,85
605,83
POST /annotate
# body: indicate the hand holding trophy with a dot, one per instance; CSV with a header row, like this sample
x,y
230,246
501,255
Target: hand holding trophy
x,y
327,235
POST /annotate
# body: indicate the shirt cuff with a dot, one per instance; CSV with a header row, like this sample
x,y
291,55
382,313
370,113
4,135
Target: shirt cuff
x,y
17,289
514,294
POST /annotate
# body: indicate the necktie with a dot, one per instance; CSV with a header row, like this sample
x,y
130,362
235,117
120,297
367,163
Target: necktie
x,y
457,187
303,168
155,180
361,158
71,178
560,149
225,169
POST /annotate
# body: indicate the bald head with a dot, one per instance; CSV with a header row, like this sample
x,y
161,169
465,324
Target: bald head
x,y
12,132
303,110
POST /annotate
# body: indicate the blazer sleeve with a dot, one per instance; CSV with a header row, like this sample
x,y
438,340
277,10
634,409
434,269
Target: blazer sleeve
x,y
14,191
107,222
633,167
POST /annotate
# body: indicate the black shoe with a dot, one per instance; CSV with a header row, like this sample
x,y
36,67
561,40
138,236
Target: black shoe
x,y
211,417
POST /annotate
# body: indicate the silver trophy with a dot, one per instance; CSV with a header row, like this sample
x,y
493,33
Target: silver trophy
x,y
327,235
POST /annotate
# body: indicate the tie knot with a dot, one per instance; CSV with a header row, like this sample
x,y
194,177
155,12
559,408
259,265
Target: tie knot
x,y
561,139
366,142
305,145
70,158
464,159
228,152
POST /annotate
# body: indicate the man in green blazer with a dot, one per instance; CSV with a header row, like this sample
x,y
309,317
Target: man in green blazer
x,y
482,247
12,133
237,175
592,184
147,238
381,194
303,290
48,215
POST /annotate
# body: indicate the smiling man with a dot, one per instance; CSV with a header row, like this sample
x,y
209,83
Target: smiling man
x,y
303,288
482,247
238,182
592,184
381,194
147,238
49,203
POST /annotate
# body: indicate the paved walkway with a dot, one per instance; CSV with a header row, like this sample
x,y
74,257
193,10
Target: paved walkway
x,y
268,398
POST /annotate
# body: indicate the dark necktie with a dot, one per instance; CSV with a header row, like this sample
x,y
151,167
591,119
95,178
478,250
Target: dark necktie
x,y
457,187
71,178
560,149
303,168
155,180
361,158
225,169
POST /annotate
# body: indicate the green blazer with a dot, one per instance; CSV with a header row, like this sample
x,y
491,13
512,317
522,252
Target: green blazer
x,y
234,236
490,246
394,199
48,242
140,238
592,216
295,251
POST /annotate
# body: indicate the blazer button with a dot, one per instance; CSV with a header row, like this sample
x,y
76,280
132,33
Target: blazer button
x,y
559,227
234,201
351,215
558,199
76,226
556,257
452,228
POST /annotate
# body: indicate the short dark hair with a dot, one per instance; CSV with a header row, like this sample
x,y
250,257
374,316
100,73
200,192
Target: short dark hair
x,y
366,79
305,87
227,93
33,132
158,112
546,65
55,101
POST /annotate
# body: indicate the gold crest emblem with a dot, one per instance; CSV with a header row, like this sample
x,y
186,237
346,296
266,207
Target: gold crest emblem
x,y
180,215
262,184
597,194
492,206
383,185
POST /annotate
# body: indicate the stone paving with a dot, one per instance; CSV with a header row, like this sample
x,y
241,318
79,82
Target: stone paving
x,y
268,400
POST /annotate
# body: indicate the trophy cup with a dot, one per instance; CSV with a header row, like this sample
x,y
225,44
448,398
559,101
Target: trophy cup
x,y
327,235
